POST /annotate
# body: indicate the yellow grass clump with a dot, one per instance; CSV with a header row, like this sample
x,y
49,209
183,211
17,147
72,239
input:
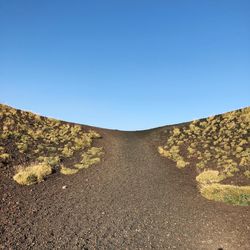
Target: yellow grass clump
x,y
32,174
209,176
180,163
68,171
4,156
91,157
236,195
247,174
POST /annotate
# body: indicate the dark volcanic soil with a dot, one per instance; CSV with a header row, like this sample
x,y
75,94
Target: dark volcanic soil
x,y
134,199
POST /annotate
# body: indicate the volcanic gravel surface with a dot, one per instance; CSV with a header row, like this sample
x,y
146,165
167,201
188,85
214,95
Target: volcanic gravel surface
x,y
133,199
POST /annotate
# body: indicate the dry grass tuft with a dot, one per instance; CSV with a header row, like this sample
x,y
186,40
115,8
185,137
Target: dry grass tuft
x,y
180,163
91,157
68,171
247,174
4,156
231,194
32,174
209,176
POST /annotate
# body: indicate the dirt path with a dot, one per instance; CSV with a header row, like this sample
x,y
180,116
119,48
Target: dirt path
x,y
134,200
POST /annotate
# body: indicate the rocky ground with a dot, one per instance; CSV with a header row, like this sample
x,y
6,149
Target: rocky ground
x,y
133,199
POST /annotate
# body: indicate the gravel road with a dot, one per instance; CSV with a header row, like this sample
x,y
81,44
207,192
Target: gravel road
x,y
134,199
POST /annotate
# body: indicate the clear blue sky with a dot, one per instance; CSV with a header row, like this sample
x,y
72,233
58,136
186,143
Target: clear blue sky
x,y
125,64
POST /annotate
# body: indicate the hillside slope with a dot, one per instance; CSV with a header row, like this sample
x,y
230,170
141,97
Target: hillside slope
x,y
35,147
219,149
133,199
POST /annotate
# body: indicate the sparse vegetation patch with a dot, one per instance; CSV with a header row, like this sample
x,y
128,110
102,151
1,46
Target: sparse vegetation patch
x,y
26,138
92,156
219,148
